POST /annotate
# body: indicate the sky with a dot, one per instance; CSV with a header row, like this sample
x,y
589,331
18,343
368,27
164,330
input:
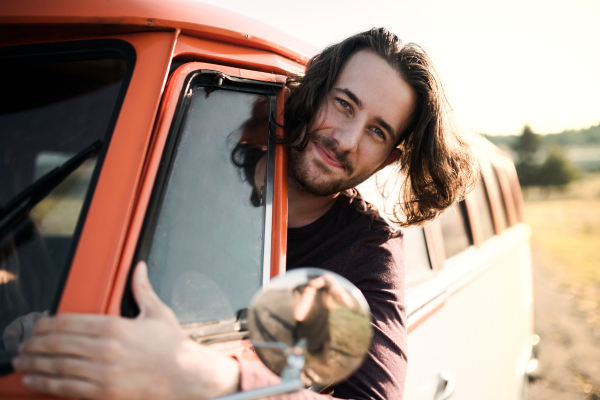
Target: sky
x,y
503,63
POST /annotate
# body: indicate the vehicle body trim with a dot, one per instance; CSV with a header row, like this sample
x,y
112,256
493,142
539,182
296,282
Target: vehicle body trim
x,y
192,18
459,272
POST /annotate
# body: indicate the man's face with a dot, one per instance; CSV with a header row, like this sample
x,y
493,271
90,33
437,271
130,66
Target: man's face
x,y
356,129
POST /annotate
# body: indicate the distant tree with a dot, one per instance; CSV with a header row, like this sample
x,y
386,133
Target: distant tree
x,y
557,170
528,174
526,146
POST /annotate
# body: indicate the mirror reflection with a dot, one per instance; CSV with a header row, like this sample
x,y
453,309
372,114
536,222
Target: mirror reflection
x,y
325,310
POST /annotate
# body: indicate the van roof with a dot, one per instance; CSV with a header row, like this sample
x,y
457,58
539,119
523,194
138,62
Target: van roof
x,y
119,16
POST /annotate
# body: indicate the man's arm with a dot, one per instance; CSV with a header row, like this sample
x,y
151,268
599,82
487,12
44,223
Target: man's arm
x,y
378,271
105,357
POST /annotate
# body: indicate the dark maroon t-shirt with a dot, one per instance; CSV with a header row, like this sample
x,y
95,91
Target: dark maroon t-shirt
x,y
354,241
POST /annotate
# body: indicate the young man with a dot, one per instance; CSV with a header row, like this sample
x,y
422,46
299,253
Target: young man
x,y
363,104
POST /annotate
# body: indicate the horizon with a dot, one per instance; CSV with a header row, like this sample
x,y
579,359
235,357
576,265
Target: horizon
x,y
504,64
543,134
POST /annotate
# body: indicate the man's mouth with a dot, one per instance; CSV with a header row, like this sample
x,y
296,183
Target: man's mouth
x,y
328,157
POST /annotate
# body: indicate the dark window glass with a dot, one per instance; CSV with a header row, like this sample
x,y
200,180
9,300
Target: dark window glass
x,y
516,195
455,230
205,236
506,189
503,211
484,210
417,260
55,111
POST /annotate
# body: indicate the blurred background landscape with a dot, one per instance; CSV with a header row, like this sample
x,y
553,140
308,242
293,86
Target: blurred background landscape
x,y
560,176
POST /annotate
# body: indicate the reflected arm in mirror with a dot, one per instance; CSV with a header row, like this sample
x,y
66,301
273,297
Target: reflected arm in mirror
x,y
320,307
295,335
330,291
314,302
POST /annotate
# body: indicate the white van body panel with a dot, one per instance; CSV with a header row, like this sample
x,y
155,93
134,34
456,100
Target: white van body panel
x,y
476,323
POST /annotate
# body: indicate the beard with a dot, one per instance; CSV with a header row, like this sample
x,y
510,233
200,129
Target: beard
x,y
317,181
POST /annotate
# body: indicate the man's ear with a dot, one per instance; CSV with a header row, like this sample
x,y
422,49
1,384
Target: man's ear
x,y
393,157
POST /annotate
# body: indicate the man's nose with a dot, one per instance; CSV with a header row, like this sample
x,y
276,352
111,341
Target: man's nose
x,y
348,136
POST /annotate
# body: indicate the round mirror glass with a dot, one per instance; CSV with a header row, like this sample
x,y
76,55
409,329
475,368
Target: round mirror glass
x,y
324,309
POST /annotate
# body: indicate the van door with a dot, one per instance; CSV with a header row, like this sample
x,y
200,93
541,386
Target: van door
x,y
206,233
59,107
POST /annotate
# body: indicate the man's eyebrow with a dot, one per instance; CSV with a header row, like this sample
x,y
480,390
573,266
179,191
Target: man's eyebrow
x,y
350,94
386,126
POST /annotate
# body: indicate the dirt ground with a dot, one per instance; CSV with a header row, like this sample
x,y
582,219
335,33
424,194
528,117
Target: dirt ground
x,y
569,349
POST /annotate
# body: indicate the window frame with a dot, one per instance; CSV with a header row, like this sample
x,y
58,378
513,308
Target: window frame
x,y
83,50
195,74
507,193
502,214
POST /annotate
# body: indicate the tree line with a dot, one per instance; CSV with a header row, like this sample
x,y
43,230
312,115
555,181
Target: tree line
x,y
569,137
555,170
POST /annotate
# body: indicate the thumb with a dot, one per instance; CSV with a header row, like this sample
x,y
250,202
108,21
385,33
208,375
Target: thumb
x,y
151,306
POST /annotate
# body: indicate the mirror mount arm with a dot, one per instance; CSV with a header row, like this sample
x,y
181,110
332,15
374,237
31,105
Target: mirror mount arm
x,y
287,386
291,376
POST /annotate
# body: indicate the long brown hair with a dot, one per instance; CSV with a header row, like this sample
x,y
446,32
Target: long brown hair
x,y
437,165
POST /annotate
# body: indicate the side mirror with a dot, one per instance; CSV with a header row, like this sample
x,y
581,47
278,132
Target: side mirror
x,y
309,326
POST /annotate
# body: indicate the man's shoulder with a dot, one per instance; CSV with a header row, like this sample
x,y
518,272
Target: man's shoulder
x,y
350,236
367,216
377,247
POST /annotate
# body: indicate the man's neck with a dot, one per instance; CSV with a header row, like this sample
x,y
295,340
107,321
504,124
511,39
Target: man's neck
x,y
305,208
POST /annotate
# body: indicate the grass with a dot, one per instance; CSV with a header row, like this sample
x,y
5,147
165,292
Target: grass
x,y
566,227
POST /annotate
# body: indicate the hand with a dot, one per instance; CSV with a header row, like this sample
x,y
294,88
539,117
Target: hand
x,y
105,357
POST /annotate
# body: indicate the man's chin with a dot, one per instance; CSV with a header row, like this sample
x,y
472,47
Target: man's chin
x,y
320,189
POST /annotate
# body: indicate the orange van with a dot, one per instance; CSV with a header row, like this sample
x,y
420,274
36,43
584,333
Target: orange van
x,y
124,130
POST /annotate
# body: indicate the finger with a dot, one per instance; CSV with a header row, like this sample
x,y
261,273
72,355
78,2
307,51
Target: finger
x,y
57,367
82,324
64,387
63,344
148,301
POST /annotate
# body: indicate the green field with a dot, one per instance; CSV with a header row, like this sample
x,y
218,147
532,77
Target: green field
x,y
566,229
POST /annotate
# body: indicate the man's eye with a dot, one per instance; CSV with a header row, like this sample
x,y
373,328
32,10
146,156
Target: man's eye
x,y
343,103
379,132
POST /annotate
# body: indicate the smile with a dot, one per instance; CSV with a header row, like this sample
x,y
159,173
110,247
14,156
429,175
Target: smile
x,y
328,157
